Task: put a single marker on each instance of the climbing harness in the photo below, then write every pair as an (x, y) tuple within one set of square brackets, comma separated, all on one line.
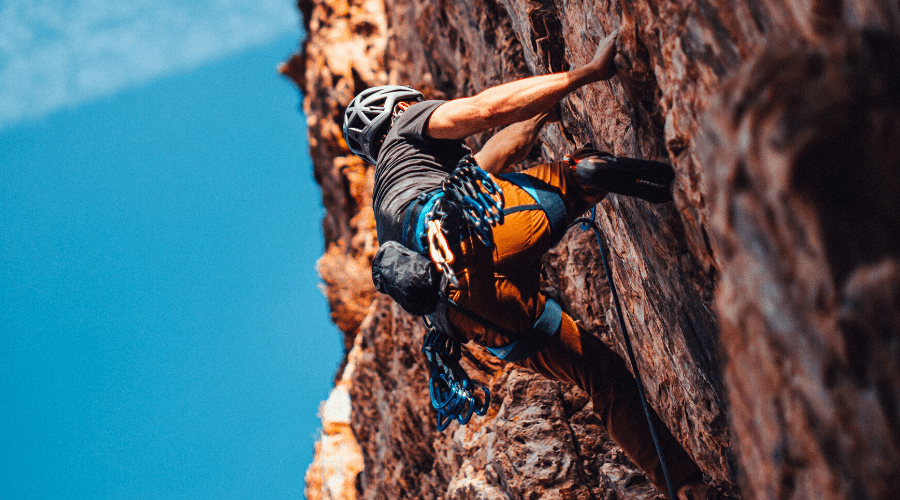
[(427, 206), (453, 394), (592, 224), (546, 326)]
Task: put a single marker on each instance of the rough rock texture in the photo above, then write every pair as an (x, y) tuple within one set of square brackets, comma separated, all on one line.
[(805, 195), (770, 250), (338, 458)]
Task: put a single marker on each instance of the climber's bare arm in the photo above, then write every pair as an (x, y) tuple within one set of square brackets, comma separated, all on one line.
[(520, 100), (512, 144)]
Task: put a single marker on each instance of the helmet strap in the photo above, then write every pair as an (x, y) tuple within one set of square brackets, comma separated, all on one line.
[(399, 108)]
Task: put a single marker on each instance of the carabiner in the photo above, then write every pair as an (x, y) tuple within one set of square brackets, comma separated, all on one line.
[(440, 252)]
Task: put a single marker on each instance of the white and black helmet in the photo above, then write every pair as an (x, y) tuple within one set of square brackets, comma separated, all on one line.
[(369, 114)]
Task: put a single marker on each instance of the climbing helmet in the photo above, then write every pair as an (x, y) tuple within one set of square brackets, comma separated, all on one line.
[(369, 114)]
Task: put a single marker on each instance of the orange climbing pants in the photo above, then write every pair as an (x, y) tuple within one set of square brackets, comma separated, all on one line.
[(502, 285)]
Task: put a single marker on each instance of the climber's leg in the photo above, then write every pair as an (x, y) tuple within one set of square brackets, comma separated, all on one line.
[(502, 285), (587, 362), (571, 357), (585, 180)]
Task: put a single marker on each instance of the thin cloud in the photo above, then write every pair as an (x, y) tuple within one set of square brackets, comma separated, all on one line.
[(60, 53)]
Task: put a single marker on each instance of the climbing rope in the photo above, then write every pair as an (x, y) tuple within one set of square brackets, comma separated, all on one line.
[(592, 224)]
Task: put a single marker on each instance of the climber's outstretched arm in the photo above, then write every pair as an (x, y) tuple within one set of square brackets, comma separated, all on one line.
[(520, 100), (512, 144)]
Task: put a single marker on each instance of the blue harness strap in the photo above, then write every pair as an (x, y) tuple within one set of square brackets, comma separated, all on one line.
[(543, 330), (414, 220), (547, 199)]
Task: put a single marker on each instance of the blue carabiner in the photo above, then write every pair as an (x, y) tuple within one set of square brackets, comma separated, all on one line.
[(469, 409), (453, 394), (440, 398), (481, 409)]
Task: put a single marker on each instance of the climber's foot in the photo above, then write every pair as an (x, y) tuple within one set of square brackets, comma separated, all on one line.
[(645, 179)]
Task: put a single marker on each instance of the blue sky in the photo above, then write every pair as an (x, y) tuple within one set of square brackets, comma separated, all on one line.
[(162, 333)]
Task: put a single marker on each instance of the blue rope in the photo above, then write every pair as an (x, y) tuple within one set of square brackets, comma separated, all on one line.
[(592, 224)]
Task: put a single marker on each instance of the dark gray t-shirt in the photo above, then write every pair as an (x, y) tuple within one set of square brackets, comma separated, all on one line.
[(409, 164)]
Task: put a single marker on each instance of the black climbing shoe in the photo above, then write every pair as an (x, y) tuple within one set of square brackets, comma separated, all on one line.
[(644, 179)]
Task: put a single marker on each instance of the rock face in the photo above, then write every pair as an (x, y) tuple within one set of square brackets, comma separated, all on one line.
[(338, 455), (805, 201), (763, 303)]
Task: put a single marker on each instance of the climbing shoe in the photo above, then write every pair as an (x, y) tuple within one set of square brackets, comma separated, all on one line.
[(644, 179)]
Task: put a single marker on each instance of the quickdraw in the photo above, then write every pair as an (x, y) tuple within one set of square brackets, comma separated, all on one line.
[(479, 199), (452, 391)]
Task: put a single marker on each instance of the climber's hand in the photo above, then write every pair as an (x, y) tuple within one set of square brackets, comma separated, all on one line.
[(602, 64)]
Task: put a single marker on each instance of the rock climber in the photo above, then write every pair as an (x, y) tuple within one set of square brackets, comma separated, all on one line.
[(415, 144)]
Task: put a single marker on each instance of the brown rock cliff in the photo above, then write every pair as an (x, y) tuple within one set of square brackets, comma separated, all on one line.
[(805, 200), (762, 302)]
